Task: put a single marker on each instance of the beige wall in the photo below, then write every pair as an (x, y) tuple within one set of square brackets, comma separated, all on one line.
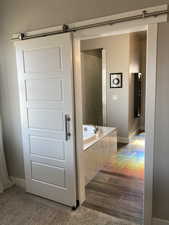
[(92, 86), (123, 53), (117, 60), (134, 67), (143, 83), (23, 15)]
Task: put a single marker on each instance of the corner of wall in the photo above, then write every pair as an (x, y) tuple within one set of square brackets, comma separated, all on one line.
[(157, 221), (19, 182), (124, 140)]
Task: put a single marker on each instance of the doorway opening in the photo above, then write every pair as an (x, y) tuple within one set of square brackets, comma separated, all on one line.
[(114, 159)]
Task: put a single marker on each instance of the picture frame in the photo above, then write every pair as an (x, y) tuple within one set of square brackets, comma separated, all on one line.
[(116, 80)]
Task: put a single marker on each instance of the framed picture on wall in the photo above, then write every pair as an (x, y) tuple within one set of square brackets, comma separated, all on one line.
[(116, 80)]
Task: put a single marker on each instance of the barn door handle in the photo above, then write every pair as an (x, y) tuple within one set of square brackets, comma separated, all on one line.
[(67, 127)]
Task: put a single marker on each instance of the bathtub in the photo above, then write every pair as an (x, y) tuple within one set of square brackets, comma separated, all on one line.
[(98, 147), (90, 133)]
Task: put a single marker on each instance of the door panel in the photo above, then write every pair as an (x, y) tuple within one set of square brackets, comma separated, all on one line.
[(46, 95), (35, 60), (48, 174), (48, 90), (46, 119), (48, 147)]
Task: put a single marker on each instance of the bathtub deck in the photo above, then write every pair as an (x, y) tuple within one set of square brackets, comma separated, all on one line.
[(103, 131)]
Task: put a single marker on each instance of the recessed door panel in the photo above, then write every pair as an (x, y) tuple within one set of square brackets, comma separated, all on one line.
[(47, 147), (48, 174), (45, 119), (42, 60), (48, 90)]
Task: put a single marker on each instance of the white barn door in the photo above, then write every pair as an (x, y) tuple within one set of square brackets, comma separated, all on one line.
[(47, 112)]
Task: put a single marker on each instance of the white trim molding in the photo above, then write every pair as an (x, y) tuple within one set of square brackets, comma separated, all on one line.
[(143, 21), (150, 25), (104, 87), (150, 120), (157, 221), (133, 133), (20, 182), (124, 140)]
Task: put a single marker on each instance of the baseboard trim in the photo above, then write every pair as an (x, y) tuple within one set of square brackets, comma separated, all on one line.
[(133, 133), (124, 140), (20, 182), (157, 221), (142, 128)]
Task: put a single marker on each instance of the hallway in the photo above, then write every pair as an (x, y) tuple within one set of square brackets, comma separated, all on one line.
[(117, 190)]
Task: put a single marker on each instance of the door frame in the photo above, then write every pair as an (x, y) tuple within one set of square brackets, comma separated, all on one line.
[(104, 87), (127, 27)]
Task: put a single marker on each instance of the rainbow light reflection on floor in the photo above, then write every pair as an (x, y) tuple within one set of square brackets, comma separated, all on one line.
[(129, 160)]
